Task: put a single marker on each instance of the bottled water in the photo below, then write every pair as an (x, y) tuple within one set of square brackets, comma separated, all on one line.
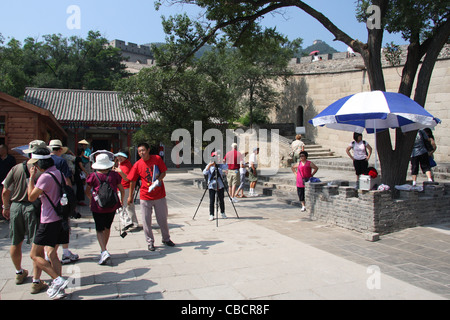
[(64, 201)]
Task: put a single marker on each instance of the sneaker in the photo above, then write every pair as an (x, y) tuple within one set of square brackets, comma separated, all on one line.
[(37, 287), (151, 247), (224, 216), (57, 287), (61, 295), (169, 243), (72, 257), (234, 200), (104, 257), (211, 218), (303, 209), (20, 277)]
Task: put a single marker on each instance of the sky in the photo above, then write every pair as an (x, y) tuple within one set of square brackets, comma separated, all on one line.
[(138, 22)]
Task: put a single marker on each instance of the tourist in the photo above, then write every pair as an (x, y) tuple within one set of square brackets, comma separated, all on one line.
[(103, 214), (297, 146), (304, 170), (52, 230), (7, 161), (233, 159), (361, 155), (23, 217), (431, 150), (419, 156), (127, 214), (215, 185), (253, 174), (57, 150), (152, 170)]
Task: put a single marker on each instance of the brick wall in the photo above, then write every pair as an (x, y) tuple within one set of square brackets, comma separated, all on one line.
[(378, 211)]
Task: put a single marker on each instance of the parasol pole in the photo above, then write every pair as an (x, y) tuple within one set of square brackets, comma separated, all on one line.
[(376, 154)]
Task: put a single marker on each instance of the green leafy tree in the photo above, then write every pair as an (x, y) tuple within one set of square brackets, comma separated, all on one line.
[(59, 62), (12, 76), (213, 89)]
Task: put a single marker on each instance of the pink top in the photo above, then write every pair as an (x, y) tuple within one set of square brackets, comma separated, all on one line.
[(53, 191), (303, 172)]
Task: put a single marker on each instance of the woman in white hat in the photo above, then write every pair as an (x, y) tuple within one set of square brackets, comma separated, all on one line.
[(104, 205)]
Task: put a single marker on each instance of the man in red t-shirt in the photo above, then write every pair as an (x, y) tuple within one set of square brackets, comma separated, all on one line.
[(233, 159), (144, 168)]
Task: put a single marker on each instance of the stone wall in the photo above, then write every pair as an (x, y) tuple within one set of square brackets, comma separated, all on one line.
[(378, 212)]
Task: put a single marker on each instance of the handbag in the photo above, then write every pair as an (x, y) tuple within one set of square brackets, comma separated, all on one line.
[(432, 162)]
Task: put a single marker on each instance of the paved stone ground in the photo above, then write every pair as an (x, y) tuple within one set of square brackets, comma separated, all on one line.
[(272, 252)]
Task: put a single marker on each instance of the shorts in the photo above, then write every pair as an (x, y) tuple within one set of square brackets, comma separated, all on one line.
[(103, 220), (23, 222), (251, 176), (423, 160), (51, 234), (361, 166), (233, 178)]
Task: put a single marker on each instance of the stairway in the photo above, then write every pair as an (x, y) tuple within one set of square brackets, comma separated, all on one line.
[(315, 151)]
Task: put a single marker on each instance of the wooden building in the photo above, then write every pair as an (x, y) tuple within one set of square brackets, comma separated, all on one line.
[(100, 117), (22, 122)]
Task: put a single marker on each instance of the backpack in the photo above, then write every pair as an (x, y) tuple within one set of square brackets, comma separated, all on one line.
[(36, 203), (68, 210), (106, 197)]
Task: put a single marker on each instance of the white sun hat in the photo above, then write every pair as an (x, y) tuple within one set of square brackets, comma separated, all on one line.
[(102, 162)]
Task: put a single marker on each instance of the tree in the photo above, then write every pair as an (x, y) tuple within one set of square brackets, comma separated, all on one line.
[(424, 23), (12, 77), (176, 98), (59, 62), (213, 88), (260, 64)]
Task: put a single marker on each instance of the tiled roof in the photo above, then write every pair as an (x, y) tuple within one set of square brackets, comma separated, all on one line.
[(83, 105)]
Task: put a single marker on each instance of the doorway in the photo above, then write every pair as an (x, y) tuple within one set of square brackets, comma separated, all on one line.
[(101, 144)]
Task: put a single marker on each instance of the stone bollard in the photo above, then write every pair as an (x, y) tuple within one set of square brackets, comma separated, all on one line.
[(433, 189), (348, 192)]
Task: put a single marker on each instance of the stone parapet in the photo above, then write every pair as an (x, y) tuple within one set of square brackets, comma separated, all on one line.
[(378, 212)]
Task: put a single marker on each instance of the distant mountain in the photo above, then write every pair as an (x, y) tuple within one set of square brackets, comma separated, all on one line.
[(321, 46)]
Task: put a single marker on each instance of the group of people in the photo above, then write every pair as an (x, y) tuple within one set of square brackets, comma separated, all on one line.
[(32, 198), (233, 165)]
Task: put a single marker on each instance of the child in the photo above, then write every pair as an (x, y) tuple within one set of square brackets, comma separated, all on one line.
[(103, 217), (304, 171)]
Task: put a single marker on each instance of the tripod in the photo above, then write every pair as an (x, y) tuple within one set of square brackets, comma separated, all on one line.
[(217, 176)]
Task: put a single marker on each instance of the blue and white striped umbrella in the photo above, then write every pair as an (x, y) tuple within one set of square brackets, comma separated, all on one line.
[(375, 111)]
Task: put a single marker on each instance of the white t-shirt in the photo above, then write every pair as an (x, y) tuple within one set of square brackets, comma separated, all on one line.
[(252, 159), (359, 150)]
